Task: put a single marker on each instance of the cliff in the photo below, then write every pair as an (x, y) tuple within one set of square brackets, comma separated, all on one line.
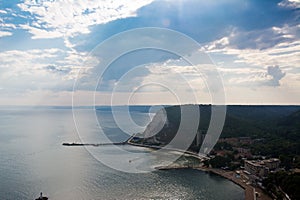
[(241, 121)]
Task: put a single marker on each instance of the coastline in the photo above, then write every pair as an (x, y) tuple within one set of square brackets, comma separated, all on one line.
[(229, 175), (250, 191), (190, 153)]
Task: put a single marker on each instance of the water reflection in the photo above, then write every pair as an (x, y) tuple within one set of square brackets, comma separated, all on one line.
[(32, 160)]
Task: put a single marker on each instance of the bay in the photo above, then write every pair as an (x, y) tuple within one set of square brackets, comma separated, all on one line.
[(32, 159)]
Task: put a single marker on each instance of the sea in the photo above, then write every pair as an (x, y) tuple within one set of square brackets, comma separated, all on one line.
[(33, 159)]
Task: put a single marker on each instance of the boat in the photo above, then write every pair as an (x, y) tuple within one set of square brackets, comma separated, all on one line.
[(41, 197)]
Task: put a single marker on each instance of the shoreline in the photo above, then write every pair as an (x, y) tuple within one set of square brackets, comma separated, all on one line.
[(190, 153), (229, 175), (250, 191)]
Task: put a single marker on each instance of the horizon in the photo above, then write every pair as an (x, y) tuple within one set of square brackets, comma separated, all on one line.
[(142, 105)]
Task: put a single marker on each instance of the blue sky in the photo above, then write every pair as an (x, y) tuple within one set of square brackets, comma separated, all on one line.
[(48, 45)]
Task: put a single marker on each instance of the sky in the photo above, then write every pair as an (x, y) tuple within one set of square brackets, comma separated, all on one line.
[(64, 52)]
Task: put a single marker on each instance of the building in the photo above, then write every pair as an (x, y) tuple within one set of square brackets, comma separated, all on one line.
[(256, 168), (242, 153), (261, 168), (245, 140), (272, 163), (232, 141)]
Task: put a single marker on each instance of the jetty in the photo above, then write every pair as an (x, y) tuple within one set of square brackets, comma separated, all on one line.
[(93, 144)]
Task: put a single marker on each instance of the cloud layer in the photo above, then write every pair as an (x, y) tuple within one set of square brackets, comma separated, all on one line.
[(67, 18), (254, 45)]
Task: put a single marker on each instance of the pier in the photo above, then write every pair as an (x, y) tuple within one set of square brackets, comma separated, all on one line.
[(93, 144)]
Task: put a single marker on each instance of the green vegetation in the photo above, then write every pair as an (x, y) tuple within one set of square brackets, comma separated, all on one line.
[(275, 130), (225, 162), (219, 161), (223, 146), (280, 182)]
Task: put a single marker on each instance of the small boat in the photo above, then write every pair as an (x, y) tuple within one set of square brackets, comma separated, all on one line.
[(41, 197)]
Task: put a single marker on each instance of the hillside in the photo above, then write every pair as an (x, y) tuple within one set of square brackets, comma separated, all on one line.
[(253, 121), (292, 121), (273, 125)]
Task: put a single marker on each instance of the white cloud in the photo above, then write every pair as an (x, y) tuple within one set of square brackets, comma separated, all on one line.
[(73, 17), (172, 76), (221, 43), (41, 33), (7, 26), (51, 69), (251, 80), (290, 3), (263, 95), (180, 79), (190, 83), (257, 39), (5, 33), (255, 78), (283, 54), (247, 66), (31, 62), (66, 19), (284, 51), (240, 71)]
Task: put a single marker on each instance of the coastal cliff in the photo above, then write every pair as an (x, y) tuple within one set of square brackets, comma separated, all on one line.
[(165, 125), (241, 121)]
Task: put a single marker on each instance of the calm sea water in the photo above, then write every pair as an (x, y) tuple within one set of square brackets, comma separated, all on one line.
[(32, 160)]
